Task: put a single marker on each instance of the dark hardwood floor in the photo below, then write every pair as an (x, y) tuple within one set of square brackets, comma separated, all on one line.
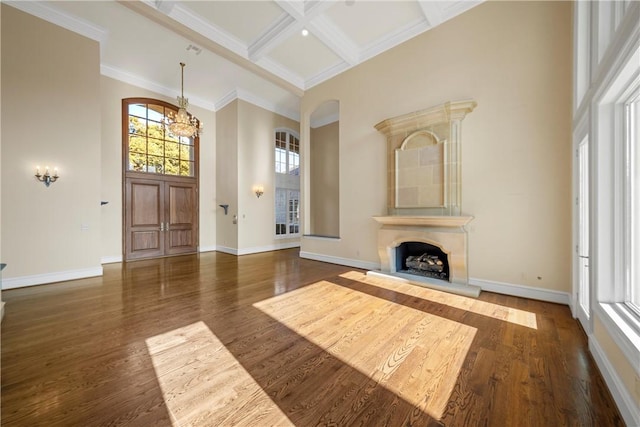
[(270, 339)]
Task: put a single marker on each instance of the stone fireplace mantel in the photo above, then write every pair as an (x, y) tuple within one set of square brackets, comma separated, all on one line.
[(445, 232), (425, 221), (424, 199)]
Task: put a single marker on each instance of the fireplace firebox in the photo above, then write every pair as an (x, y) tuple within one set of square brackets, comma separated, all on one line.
[(422, 259)]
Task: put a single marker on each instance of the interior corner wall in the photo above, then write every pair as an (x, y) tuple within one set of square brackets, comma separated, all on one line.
[(226, 178), (325, 180), (515, 60), (50, 117), (111, 96), (256, 160)]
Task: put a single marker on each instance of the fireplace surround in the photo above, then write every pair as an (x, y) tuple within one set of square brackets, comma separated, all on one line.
[(424, 195)]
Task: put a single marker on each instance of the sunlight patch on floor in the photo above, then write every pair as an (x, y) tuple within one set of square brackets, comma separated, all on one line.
[(499, 312), (203, 384), (416, 355)]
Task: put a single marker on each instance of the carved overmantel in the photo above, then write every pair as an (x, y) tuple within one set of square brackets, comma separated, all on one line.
[(424, 160)]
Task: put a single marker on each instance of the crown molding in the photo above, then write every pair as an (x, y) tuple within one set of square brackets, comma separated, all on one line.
[(132, 79), (282, 72), (326, 74), (394, 39), (243, 95), (184, 16), (79, 26)]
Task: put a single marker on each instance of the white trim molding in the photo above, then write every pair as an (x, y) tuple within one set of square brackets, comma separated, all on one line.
[(59, 276), (257, 249), (548, 295), (628, 409), (111, 259), (356, 263), (202, 249)]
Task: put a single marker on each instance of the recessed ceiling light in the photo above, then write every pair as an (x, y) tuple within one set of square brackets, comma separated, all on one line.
[(305, 32)]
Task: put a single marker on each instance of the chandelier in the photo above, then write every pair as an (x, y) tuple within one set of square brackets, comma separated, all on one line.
[(181, 124)]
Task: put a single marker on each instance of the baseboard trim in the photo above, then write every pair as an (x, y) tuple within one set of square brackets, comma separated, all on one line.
[(226, 250), (207, 249), (628, 408), (356, 263), (268, 248), (257, 249), (41, 279), (522, 291), (110, 259)]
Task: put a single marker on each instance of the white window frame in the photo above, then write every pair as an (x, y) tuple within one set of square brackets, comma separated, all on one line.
[(611, 228)]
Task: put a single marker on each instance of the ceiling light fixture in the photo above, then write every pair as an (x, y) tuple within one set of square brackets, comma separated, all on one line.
[(182, 124), (305, 32)]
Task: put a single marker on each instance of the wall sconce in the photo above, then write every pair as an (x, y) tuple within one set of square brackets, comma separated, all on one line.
[(259, 190), (47, 178)]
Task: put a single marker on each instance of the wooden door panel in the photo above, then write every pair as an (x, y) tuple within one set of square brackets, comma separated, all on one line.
[(182, 209), (145, 240), (143, 218), (145, 204)]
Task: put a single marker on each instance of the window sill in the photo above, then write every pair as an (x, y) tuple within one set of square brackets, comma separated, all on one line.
[(624, 328), (320, 237)]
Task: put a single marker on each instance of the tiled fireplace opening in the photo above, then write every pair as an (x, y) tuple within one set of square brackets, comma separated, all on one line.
[(422, 259)]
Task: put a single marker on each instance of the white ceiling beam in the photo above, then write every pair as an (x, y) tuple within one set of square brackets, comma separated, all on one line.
[(207, 43), (336, 40), (432, 12), (281, 29)]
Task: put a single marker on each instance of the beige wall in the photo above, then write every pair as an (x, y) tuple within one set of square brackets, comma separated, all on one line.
[(227, 175), (111, 94), (245, 159), (256, 160), (514, 59), (616, 358), (50, 116), (325, 180)]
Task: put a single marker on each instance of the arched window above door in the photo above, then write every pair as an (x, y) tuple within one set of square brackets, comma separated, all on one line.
[(151, 147)]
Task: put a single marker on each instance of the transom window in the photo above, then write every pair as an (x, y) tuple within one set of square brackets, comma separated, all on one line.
[(152, 147)]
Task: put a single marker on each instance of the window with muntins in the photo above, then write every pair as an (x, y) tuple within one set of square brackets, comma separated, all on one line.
[(632, 152), (287, 178), (152, 148)]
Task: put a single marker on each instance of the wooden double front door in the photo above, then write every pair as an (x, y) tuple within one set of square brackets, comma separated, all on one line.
[(161, 217)]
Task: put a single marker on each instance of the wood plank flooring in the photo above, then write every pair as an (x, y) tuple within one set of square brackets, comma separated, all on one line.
[(274, 340)]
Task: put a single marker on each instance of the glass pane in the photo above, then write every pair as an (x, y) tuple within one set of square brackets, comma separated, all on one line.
[(294, 164), (137, 162), (139, 110), (156, 130), (137, 144), (634, 193), (172, 166), (156, 112), (186, 168), (137, 126), (186, 141), (155, 147), (186, 152), (171, 150), (169, 136), (155, 164)]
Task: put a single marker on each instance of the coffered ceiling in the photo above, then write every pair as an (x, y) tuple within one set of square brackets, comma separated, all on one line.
[(252, 50)]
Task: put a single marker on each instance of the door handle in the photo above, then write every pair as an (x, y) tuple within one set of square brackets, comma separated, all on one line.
[(162, 226), (167, 227)]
